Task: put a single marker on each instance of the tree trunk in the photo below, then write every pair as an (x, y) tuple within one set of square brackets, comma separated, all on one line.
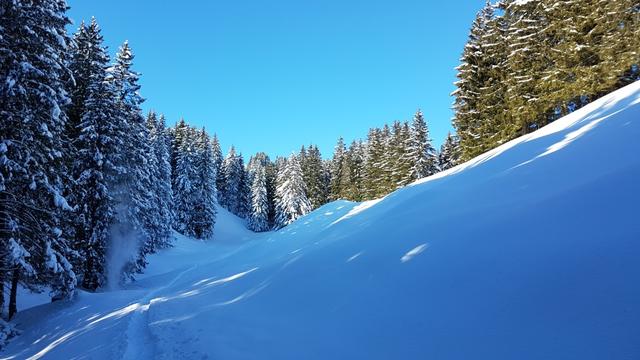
[(1, 296), (13, 308)]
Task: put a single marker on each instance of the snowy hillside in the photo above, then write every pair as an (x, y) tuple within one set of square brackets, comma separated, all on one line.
[(530, 251)]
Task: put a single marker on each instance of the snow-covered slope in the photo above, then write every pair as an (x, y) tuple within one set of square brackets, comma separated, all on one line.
[(531, 251)]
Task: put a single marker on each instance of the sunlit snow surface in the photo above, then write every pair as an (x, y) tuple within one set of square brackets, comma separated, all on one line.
[(531, 251)]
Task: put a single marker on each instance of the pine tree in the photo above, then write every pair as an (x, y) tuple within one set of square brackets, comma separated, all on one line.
[(313, 174), (291, 198), (203, 214), (234, 186), (472, 75), (81, 65), (374, 165), (348, 190), (336, 170), (389, 160), (449, 152), (357, 153), (422, 156), (271, 175), (99, 159), (527, 62), (161, 180), (259, 214), (33, 45), (217, 162), (136, 218), (184, 189), (244, 197), (177, 134), (399, 170)]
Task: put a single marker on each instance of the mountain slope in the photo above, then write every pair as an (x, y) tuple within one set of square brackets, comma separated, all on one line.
[(527, 252)]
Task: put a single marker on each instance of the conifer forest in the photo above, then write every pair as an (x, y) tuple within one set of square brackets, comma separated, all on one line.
[(93, 186)]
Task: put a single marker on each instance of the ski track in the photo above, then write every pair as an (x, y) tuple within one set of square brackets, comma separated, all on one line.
[(138, 338)]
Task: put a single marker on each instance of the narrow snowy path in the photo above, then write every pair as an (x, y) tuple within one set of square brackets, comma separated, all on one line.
[(140, 343)]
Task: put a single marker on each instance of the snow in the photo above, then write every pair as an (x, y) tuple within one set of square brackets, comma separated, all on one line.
[(522, 2), (529, 251)]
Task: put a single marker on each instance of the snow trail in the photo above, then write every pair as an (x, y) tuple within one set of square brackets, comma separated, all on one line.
[(137, 336)]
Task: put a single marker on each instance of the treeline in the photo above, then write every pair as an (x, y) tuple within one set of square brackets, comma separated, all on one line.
[(530, 62), (272, 194)]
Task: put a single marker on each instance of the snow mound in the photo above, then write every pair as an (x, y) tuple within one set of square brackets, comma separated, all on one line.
[(527, 252)]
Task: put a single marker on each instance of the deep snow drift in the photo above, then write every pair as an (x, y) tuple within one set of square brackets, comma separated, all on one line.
[(531, 251)]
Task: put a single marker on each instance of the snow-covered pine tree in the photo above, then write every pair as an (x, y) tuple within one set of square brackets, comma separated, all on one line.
[(177, 135), (421, 154), (258, 219), (203, 214), (399, 164), (136, 216), (244, 197), (313, 173), (98, 161), (260, 159), (291, 198), (374, 165), (497, 124), (161, 179), (449, 152), (271, 175), (388, 163), (348, 190), (472, 74), (232, 189), (336, 170), (357, 153), (184, 190), (33, 45), (527, 63), (217, 162)]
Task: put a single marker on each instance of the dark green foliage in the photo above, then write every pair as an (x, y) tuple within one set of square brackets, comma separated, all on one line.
[(528, 63)]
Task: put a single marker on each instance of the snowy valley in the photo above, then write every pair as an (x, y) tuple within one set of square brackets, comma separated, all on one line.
[(529, 251)]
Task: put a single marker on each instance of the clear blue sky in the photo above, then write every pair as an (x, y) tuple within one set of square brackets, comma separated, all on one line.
[(271, 75)]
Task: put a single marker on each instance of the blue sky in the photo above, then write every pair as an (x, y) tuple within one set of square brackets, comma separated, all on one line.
[(273, 75)]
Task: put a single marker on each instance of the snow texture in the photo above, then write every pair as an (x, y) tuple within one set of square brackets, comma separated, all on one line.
[(529, 251)]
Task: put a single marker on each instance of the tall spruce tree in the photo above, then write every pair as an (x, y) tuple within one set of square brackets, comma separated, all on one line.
[(244, 197), (314, 178), (449, 152), (233, 184), (527, 62), (374, 165), (291, 198), (98, 161), (184, 189), (217, 162), (203, 214), (33, 46), (472, 75), (337, 177), (400, 164), (422, 156), (136, 217), (271, 176), (258, 219), (161, 180)]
